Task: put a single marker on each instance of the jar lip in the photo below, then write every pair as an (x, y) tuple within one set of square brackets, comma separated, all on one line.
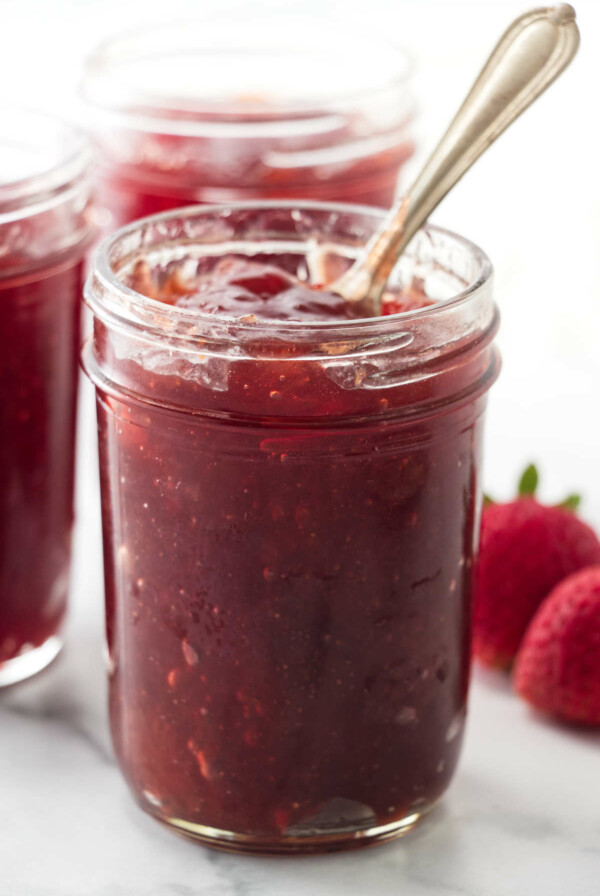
[(48, 156), (135, 309), (109, 86)]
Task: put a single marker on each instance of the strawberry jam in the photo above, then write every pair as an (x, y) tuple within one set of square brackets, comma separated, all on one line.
[(147, 184), (290, 501), (44, 230), (174, 128)]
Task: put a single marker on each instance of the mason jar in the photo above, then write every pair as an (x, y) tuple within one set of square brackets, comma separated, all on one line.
[(244, 108), (290, 518), (45, 229)]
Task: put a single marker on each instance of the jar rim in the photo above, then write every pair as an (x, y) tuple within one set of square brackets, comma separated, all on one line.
[(108, 87), (109, 297), (49, 158)]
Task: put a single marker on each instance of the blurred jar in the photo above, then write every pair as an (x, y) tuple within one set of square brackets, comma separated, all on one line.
[(248, 109), (45, 228)]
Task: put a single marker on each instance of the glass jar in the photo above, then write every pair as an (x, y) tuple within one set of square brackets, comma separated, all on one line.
[(44, 231), (247, 108), (290, 517)]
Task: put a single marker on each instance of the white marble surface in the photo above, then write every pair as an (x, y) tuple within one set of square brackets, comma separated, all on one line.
[(523, 815)]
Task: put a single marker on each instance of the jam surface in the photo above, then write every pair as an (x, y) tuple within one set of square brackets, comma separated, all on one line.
[(249, 290), (39, 344), (288, 577)]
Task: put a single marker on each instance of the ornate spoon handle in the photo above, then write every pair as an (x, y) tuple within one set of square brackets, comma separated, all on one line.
[(528, 58)]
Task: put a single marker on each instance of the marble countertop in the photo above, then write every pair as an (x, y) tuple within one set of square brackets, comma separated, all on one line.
[(522, 817)]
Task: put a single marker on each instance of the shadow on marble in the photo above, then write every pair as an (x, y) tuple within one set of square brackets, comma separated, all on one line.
[(71, 692), (567, 730), (500, 683), (493, 679)]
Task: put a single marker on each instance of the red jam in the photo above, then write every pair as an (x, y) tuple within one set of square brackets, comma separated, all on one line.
[(39, 343), (246, 290), (288, 558), (44, 232), (152, 180)]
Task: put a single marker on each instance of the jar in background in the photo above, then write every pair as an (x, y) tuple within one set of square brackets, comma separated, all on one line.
[(251, 107), (44, 232), (290, 517)]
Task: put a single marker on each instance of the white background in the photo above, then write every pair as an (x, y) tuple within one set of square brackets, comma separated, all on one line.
[(533, 203)]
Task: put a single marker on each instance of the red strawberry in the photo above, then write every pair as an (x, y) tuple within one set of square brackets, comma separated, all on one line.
[(526, 549), (558, 666)]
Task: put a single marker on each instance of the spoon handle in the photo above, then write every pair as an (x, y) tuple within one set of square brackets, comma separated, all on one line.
[(528, 58)]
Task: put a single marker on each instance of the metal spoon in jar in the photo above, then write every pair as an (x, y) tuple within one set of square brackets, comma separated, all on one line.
[(534, 50)]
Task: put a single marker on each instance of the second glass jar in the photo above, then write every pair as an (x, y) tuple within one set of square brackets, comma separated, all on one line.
[(174, 126), (45, 230)]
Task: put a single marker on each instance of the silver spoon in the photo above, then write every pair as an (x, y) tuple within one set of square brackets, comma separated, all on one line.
[(534, 50)]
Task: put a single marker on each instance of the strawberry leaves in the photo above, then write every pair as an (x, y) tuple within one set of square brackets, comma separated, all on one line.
[(527, 488), (528, 482)]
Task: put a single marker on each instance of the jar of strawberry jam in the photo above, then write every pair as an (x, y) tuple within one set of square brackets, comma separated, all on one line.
[(45, 228), (244, 108), (290, 500)]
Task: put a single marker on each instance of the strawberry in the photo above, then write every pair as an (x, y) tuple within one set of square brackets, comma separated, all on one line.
[(558, 665), (526, 549)]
